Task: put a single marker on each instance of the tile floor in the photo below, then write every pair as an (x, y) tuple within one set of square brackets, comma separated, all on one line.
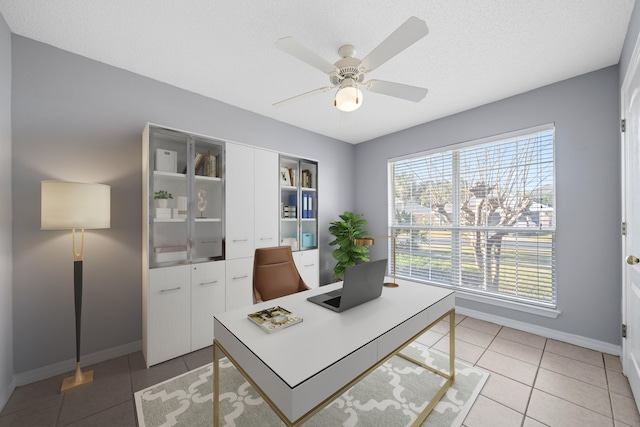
[(534, 382)]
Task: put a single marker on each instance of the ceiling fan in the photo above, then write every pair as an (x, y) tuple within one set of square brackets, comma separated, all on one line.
[(349, 72)]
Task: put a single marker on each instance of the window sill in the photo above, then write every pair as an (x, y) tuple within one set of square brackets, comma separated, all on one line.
[(512, 305)]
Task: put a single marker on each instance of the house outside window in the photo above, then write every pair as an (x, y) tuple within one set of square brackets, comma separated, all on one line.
[(479, 216)]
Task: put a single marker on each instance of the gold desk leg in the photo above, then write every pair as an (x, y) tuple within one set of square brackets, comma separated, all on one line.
[(452, 370), (216, 384), (452, 345)]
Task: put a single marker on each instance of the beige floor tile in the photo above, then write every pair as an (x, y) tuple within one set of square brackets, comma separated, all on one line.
[(556, 412), (509, 367), (530, 422), (441, 327), (464, 351), (612, 363), (625, 410), (429, 338), (617, 423), (515, 349), (522, 337), (481, 325), (574, 369), (581, 354), (508, 392), (485, 412), (575, 391), (473, 336), (619, 384)]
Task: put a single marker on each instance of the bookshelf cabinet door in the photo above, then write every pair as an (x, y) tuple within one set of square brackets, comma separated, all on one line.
[(169, 313), (207, 300), (266, 199), (239, 283), (239, 201)]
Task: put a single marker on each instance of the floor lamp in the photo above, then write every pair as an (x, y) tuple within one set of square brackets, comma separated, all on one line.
[(370, 241), (74, 205)]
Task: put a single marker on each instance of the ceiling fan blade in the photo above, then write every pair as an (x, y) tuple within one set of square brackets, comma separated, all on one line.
[(302, 96), (404, 36), (292, 47), (398, 90)]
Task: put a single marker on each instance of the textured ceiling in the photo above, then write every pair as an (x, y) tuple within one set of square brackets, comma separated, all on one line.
[(476, 52)]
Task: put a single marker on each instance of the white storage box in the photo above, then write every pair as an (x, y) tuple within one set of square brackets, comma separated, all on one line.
[(166, 160)]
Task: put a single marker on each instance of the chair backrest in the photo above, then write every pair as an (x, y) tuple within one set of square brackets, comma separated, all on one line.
[(275, 274)]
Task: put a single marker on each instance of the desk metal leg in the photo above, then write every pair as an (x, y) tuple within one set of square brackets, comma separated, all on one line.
[(216, 384)]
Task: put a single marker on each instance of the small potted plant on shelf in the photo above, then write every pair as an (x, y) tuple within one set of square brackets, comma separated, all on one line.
[(345, 232), (162, 198)]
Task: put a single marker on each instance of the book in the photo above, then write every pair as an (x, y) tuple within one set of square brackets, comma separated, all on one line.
[(274, 318)]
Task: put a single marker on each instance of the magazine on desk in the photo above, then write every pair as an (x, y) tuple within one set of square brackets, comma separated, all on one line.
[(274, 318)]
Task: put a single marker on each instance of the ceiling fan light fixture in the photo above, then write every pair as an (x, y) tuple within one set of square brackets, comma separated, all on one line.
[(348, 98)]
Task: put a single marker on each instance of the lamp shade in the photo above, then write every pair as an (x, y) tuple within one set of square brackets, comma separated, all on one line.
[(67, 205), (348, 98)]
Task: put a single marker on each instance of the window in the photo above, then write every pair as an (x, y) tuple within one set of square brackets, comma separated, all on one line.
[(479, 216)]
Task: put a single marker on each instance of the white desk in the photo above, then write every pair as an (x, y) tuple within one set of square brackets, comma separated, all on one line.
[(300, 369)]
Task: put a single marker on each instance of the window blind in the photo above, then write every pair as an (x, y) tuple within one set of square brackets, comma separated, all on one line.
[(479, 216)]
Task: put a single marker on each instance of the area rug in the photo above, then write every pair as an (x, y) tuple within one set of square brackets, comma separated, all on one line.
[(392, 395)]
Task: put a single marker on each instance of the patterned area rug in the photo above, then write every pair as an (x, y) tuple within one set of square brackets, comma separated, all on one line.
[(392, 395)]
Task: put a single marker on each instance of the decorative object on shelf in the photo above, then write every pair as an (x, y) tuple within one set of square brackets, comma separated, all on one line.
[(181, 210), (370, 241), (285, 177), (166, 160), (202, 202), (307, 181), (74, 205), (211, 165), (346, 232), (197, 164), (162, 197)]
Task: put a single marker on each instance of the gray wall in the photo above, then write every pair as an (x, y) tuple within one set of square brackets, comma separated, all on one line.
[(629, 42), (6, 298), (78, 119), (585, 112)]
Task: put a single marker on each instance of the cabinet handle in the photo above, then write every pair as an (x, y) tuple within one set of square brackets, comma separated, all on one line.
[(309, 265), (208, 283), (266, 238), (240, 277), (169, 290), (240, 240)]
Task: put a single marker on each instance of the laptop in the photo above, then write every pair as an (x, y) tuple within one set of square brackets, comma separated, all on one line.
[(362, 283)]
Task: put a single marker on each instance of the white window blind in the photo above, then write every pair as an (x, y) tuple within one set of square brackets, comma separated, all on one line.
[(479, 217)]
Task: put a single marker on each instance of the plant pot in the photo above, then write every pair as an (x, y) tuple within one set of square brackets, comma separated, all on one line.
[(162, 203)]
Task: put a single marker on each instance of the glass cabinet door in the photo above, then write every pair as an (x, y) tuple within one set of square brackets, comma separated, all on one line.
[(168, 188), (207, 201), (298, 203), (186, 198)]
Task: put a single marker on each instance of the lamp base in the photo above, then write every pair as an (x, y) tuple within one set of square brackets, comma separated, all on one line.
[(390, 285), (78, 380)]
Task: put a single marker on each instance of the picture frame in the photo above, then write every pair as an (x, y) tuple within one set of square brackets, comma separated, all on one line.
[(285, 177)]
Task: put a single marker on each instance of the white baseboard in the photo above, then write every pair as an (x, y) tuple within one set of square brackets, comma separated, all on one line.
[(69, 365), (5, 393), (578, 340)]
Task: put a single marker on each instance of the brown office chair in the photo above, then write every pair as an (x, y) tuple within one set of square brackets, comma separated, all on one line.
[(275, 274)]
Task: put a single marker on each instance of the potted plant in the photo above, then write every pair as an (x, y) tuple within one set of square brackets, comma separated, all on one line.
[(162, 197), (345, 231)]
